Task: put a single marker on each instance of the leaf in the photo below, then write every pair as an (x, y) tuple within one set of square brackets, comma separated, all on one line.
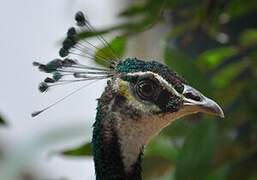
[(2, 121), (214, 57), (116, 48), (84, 150), (195, 158), (248, 37), (239, 8), (185, 66), (225, 76)]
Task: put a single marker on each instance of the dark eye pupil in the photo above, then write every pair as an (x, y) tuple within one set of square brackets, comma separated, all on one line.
[(192, 96), (145, 90)]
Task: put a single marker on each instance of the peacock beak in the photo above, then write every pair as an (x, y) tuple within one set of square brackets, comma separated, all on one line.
[(197, 102), (210, 107)]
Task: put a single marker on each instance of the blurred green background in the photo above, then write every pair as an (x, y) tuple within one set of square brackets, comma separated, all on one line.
[(213, 44)]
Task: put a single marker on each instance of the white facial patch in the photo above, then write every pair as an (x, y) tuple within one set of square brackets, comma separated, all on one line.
[(159, 78), (125, 90), (135, 134)]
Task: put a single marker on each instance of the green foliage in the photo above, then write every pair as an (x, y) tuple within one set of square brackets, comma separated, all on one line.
[(226, 75), (248, 37), (214, 57), (2, 121), (162, 147), (115, 48), (197, 152), (213, 45), (84, 150), (184, 65)]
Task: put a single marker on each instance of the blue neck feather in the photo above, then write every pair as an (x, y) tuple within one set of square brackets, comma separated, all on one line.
[(106, 146)]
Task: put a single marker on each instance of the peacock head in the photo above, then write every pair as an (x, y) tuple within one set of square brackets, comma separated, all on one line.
[(152, 89)]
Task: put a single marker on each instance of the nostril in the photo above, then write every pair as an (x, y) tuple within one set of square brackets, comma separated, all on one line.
[(192, 96)]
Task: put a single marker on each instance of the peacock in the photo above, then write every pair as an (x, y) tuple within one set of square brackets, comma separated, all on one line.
[(140, 99)]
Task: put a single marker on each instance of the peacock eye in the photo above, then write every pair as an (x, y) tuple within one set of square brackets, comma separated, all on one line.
[(146, 89)]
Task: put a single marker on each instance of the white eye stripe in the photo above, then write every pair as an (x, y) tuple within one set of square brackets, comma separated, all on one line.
[(189, 89), (160, 79)]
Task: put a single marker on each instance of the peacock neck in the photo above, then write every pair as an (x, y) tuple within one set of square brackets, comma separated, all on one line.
[(110, 163)]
